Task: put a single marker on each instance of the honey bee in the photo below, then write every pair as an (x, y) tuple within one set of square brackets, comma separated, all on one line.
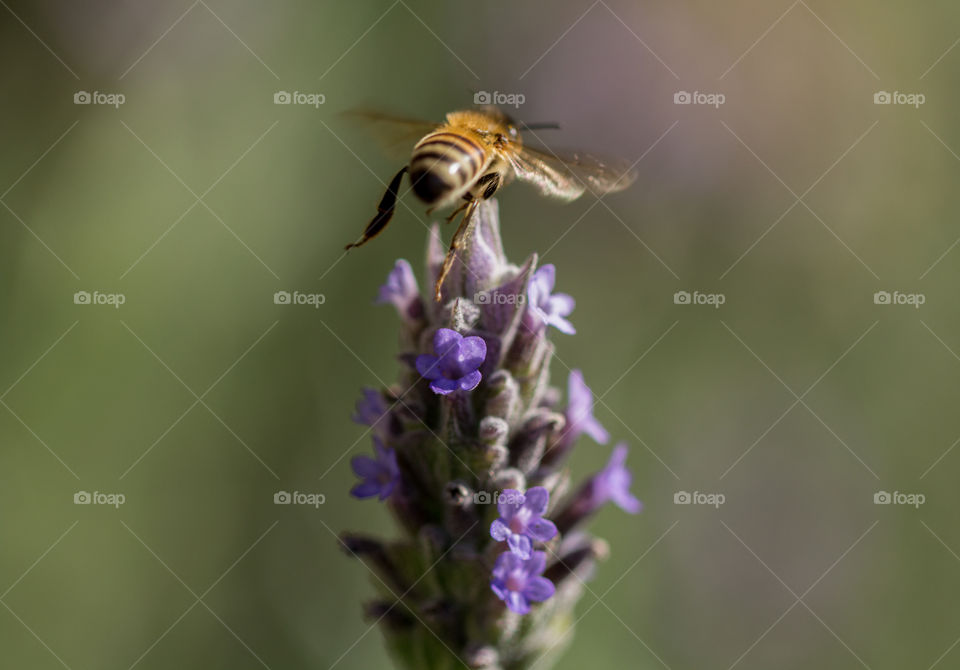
[(473, 154)]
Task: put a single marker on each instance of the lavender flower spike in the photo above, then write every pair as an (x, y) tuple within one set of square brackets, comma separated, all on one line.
[(455, 365), (380, 476), (521, 521), (551, 308), (580, 410), (517, 581), (475, 412)]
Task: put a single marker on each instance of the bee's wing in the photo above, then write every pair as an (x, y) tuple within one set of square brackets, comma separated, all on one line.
[(567, 176), (395, 133)]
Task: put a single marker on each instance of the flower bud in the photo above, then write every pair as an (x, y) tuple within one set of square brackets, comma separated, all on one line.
[(493, 430), (481, 657), (527, 446), (509, 478), (503, 398)]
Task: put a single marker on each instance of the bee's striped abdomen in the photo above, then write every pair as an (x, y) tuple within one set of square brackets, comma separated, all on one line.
[(445, 163)]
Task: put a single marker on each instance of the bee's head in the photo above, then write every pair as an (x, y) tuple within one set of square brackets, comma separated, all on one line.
[(502, 123), (513, 128)]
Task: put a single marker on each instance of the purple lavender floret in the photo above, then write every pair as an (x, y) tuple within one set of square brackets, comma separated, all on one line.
[(521, 520), (401, 290), (473, 412), (455, 365), (380, 475), (517, 581), (613, 483), (579, 412), (551, 308), (370, 408)]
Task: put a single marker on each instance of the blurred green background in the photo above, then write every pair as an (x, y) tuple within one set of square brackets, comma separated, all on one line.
[(198, 398)]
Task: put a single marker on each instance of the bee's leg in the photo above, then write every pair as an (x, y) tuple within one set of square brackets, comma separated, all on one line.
[(466, 196), (384, 211), (458, 210), (456, 244)]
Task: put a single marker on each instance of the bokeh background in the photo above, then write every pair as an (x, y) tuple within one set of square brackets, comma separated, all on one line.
[(198, 398)]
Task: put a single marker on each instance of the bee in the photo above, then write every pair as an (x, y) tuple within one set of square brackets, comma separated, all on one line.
[(470, 157)]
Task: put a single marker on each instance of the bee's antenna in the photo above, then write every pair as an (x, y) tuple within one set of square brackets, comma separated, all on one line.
[(548, 125)]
